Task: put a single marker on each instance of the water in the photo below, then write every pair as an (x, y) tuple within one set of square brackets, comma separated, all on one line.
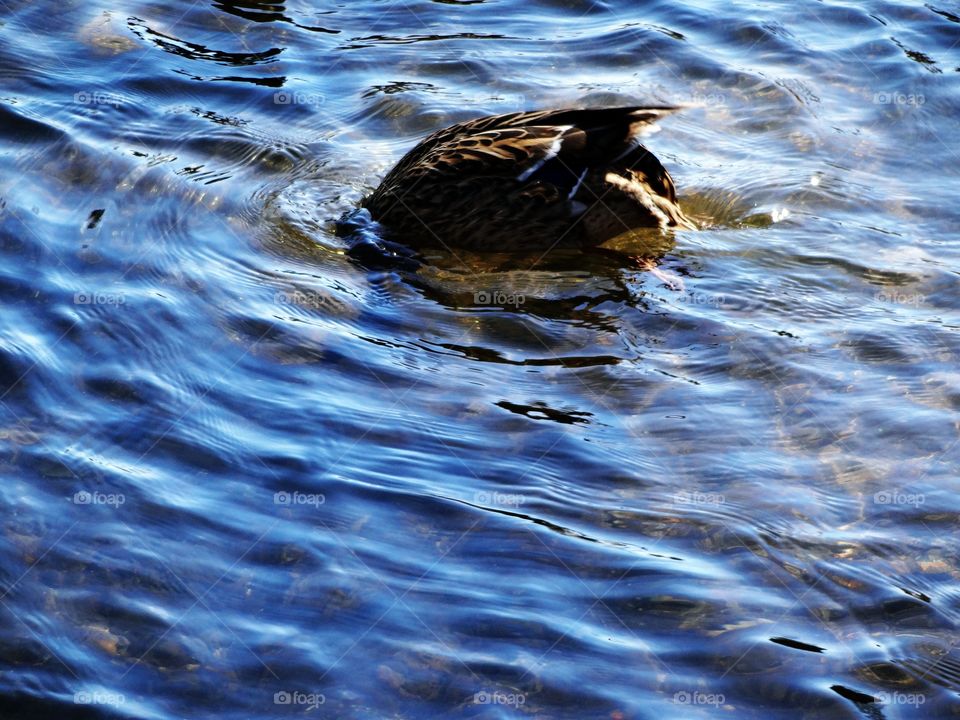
[(243, 477)]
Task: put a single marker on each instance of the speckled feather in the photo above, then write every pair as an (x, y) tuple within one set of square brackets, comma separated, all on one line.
[(529, 180)]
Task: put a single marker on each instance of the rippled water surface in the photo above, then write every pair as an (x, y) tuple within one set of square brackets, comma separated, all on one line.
[(245, 477)]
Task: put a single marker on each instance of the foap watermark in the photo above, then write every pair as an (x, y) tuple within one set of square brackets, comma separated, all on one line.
[(901, 698), (899, 98), (511, 100), (712, 99), (498, 697), (695, 697), (702, 299), (698, 498), (498, 498), (303, 298), (900, 298), (295, 697), (289, 499), (285, 97), (898, 497), (86, 297), (85, 497), (98, 697), (498, 298), (95, 97)]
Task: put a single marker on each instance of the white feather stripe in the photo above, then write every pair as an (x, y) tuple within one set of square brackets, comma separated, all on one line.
[(579, 183), (550, 155), (642, 195)]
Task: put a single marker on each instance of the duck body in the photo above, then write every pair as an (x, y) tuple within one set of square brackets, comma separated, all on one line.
[(529, 180)]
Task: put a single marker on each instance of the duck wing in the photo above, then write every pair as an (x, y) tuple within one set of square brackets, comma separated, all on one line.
[(528, 176), (548, 146)]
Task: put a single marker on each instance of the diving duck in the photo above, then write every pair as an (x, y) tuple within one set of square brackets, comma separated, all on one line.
[(529, 180)]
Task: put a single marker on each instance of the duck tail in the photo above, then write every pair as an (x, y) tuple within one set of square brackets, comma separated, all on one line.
[(605, 135), (643, 121)]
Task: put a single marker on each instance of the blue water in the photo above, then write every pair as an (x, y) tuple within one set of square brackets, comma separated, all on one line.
[(243, 477)]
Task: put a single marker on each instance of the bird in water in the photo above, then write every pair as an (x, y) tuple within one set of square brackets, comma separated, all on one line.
[(525, 181)]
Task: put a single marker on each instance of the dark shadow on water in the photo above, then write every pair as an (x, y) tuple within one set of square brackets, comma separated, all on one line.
[(195, 51), (269, 11)]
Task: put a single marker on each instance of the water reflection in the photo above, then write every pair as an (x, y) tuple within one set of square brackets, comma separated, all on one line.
[(268, 12), (241, 468), (194, 51)]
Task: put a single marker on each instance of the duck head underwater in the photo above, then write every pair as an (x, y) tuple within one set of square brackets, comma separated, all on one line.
[(520, 181)]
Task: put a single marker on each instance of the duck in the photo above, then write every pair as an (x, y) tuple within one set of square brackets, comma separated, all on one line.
[(529, 180)]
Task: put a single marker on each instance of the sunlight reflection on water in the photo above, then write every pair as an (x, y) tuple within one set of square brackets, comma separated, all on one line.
[(247, 478)]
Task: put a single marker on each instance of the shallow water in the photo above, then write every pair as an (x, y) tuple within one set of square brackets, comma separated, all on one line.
[(246, 478)]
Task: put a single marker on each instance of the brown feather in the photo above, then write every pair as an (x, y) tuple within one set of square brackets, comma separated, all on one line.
[(525, 180)]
